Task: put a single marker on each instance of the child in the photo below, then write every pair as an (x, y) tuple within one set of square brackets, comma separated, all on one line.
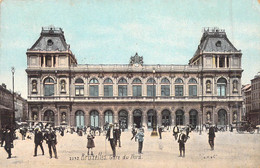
[(91, 143)]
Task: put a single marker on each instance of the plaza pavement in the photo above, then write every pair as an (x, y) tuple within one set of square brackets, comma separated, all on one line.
[(231, 150)]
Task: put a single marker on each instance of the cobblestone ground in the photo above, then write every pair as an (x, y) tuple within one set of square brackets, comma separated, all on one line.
[(231, 150)]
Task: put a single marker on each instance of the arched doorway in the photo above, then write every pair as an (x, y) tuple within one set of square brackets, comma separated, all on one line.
[(49, 117), (137, 117), (80, 119), (193, 117), (222, 117), (179, 117), (150, 118), (123, 119), (108, 116), (166, 118), (94, 119)]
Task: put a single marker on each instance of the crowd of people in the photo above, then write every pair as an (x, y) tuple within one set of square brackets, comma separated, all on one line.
[(113, 134)]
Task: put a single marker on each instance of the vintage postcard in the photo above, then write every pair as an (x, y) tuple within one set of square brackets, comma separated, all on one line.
[(133, 83)]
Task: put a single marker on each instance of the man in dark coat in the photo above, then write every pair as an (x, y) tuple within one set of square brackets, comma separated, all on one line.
[(134, 132), (211, 137), (38, 139), (2, 136), (182, 140), (8, 142), (118, 135), (51, 140), (160, 132), (175, 132), (111, 136)]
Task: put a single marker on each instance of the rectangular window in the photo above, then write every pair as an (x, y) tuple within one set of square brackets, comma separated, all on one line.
[(93, 90), (79, 90), (48, 90), (178, 90), (122, 90), (151, 90), (165, 90), (108, 90), (192, 90), (221, 89), (137, 91)]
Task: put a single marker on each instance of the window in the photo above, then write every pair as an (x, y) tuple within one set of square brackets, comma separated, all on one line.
[(93, 88), (109, 116), (137, 87), (151, 88), (122, 87), (79, 87), (218, 43), (48, 61), (193, 117), (179, 117), (178, 90), (221, 87), (108, 87), (179, 80), (165, 89), (94, 118), (48, 87), (192, 88)]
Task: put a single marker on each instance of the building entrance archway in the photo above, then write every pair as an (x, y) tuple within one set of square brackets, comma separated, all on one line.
[(137, 117), (123, 119), (222, 117)]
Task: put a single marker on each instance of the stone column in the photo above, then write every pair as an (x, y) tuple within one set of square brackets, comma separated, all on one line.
[(51, 60), (116, 117), (87, 119), (225, 61), (101, 120), (44, 60), (173, 117), (130, 120), (57, 60), (218, 61), (58, 115)]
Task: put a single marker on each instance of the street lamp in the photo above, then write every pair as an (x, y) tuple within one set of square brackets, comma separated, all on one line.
[(13, 70), (154, 132)]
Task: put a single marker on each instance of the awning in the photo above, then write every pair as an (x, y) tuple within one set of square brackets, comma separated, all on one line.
[(5, 108)]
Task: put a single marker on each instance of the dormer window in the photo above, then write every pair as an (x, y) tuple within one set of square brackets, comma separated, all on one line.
[(49, 42), (218, 43)]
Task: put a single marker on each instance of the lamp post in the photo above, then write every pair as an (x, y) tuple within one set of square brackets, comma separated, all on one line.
[(13, 70), (154, 132)]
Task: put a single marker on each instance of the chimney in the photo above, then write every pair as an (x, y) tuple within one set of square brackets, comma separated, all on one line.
[(4, 85)]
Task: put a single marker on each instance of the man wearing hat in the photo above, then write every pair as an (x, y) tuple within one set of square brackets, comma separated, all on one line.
[(111, 136), (8, 142), (51, 140), (140, 137), (38, 139), (181, 140)]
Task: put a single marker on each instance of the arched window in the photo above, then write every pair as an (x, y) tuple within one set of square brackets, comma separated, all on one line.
[(48, 87), (151, 87), (193, 117), (79, 87), (137, 118), (165, 87), (221, 86), (94, 118), (122, 87), (192, 87), (93, 87), (179, 87), (49, 116), (166, 118), (108, 87), (208, 86), (34, 86), (137, 87), (123, 119), (179, 117), (108, 116), (235, 86), (62, 86), (80, 119)]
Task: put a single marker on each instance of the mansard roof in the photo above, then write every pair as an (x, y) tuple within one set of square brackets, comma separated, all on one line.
[(215, 40), (51, 39)]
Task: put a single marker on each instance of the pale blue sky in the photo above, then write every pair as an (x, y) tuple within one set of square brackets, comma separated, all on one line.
[(100, 32)]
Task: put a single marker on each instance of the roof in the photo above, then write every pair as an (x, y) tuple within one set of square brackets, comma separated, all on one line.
[(51, 39)]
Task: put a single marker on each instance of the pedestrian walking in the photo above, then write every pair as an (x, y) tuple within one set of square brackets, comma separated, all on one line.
[(211, 137), (111, 136), (38, 139), (134, 132), (140, 138), (51, 140), (118, 135), (90, 143), (182, 140), (160, 132), (187, 131), (175, 132), (2, 136), (8, 142)]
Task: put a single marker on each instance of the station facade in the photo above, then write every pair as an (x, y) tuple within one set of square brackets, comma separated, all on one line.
[(63, 92)]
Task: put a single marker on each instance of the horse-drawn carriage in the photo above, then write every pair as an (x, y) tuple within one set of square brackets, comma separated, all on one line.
[(243, 126)]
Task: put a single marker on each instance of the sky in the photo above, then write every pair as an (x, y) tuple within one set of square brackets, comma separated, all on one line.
[(110, 32)]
